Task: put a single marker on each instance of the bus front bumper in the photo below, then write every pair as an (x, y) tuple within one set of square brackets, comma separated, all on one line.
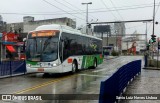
[(56, 69)]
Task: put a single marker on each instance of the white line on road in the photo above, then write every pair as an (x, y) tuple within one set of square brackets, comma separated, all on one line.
[(99, 70), (93, 75)]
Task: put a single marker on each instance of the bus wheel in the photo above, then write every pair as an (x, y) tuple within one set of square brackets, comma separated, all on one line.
[(74, 67), (46, 75), (95, 63)]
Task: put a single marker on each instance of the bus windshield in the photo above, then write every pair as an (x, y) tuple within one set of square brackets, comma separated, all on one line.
[(42, 46)]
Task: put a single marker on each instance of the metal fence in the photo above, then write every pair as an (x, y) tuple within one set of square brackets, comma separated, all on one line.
[(11, 68), (115, 85)]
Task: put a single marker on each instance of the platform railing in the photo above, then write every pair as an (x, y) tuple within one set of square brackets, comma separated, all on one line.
[(11, 68), (115, 85)]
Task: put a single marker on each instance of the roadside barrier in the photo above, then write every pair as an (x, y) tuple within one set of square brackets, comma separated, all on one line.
[(11, 68), (116, 84)]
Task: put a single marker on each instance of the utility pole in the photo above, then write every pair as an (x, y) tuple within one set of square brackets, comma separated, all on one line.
[(87, 15), (0, 47), (116, 39), (146, 32), (153, 18), (153, 27)]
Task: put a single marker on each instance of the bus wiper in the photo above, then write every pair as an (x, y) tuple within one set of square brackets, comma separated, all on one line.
[(46, 43), (36, 43)]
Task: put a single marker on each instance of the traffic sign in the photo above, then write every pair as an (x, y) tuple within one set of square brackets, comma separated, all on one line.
[(158, 44), (153, 38), (158, 39)]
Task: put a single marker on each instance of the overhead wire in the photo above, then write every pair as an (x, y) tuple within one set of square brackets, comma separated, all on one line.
[(117, 10), (135, 26), (67, 6), (76, 7), (157, 8), (62, 9), (155, 15), (142, 5), (70, 12), (108, 9)]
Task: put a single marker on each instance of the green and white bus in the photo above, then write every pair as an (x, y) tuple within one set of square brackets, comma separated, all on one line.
[(58, 49)]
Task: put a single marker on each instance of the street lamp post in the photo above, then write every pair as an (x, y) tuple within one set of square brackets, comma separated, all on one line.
[(153, 27), (146, 32), (87, 15), (1, 47), (153, 17), (116, 38)]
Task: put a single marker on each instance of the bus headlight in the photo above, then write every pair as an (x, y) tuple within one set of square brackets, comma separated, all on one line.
[(53, 65), (28, 65)]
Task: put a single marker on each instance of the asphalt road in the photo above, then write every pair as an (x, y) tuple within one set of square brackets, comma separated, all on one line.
[(83, 82)]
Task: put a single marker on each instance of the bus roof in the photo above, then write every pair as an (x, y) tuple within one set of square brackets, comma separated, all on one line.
[(63, 28)]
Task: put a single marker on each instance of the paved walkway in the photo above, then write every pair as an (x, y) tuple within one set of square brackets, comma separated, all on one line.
[(110, 57), (148, 83)]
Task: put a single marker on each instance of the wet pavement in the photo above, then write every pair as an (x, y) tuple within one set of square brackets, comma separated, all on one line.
[(148, 83), (83, 82)]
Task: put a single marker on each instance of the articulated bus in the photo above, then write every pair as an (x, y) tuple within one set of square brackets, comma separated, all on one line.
[(58, 49)]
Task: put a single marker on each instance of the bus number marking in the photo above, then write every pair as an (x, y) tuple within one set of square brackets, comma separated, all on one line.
[(41, 69)]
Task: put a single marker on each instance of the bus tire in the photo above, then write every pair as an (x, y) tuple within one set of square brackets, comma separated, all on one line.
[(95, 63), (46, 75), (74, 67)]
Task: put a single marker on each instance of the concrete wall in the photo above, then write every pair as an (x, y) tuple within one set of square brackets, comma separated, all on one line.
[(153, 63), (120, 29), (140, 45), (28, 18), (111, 40), (12, 27), (3, 26), (29, 26)]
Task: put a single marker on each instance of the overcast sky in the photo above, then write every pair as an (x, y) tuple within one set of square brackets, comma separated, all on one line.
[(103, 10)]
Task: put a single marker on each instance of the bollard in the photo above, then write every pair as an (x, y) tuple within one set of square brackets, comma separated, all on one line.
[(24, 67), (10, 67), (145, 59)]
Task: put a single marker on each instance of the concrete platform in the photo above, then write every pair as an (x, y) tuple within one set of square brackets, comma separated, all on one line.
[(148, 83), (110, 57), (151, 68)]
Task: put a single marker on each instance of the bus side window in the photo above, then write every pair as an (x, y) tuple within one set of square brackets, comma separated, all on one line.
[(66, 46), (60, 49)]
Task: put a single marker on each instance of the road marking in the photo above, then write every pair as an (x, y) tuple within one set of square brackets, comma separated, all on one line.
[(92, 75), (100, 70), (43, 84)]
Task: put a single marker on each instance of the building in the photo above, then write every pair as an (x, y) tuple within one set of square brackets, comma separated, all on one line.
[(119, 29), (109, 38), (15, 27), (30, 24), (136, 40), (2, 24), (113, 36)]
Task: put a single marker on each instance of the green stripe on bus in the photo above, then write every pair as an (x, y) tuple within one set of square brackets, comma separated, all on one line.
[(83, 61), (31, 62), (89, 60)]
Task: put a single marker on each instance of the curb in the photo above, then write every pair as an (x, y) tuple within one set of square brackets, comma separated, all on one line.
[(111, 58), (151, 68), (10, 76)]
